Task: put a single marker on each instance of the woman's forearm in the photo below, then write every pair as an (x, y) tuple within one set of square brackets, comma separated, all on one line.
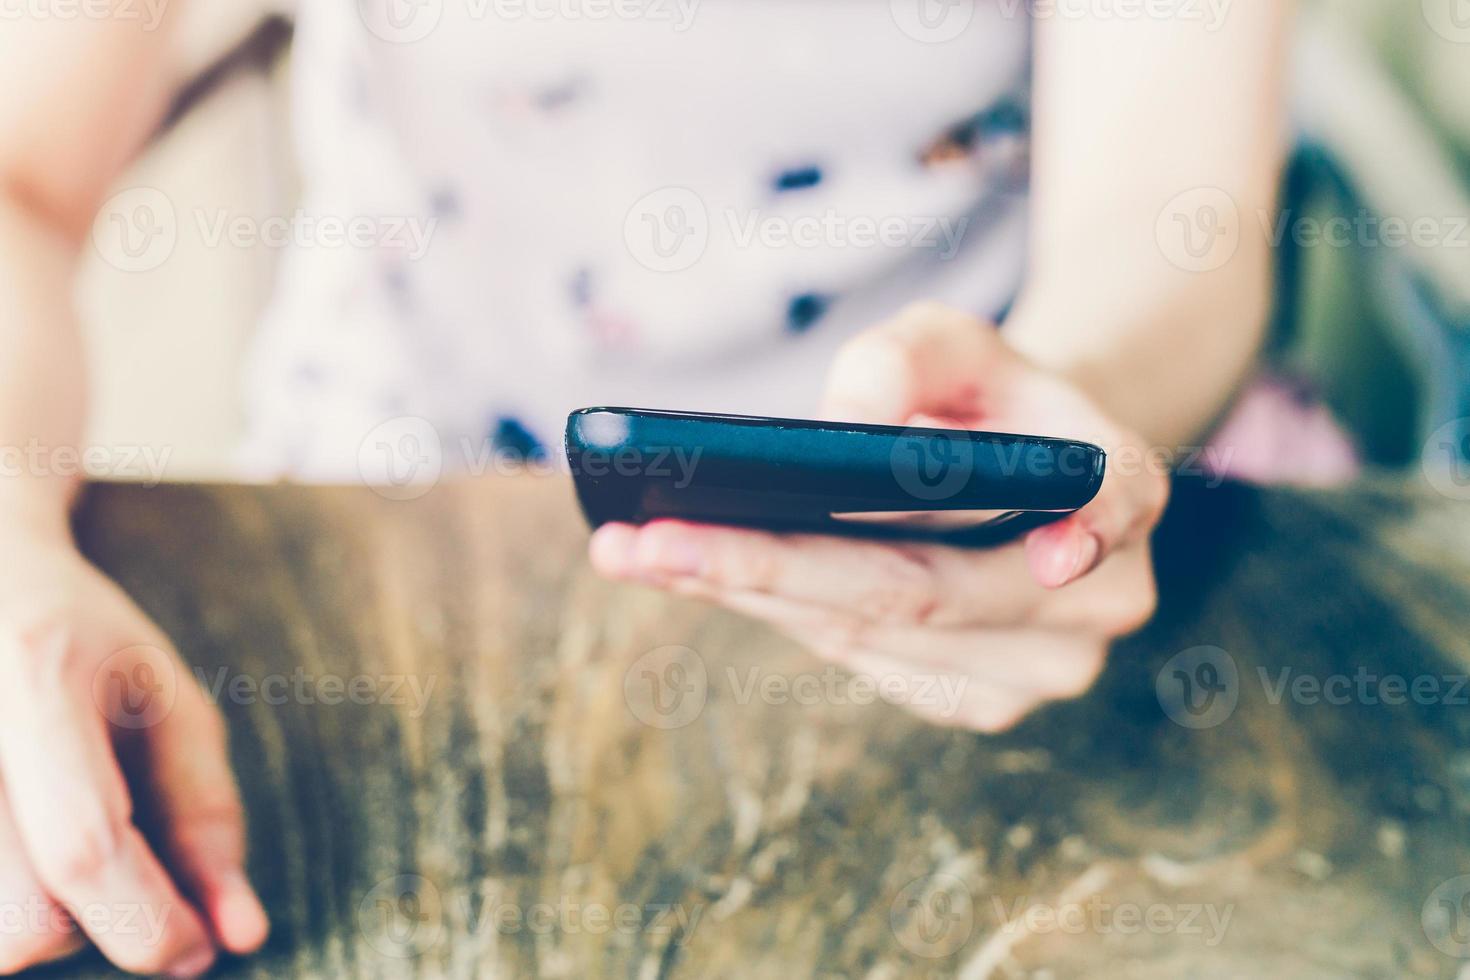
[(42, 376), (78, 97), (1163, 356), (1157, 150)]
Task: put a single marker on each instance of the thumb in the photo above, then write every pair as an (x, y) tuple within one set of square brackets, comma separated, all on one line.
[(203, 824), (928, 360)]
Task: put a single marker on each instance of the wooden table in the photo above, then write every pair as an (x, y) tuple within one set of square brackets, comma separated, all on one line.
[(464, 755)]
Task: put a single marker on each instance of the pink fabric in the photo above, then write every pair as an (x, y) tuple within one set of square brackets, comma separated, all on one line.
[(1279, 433)]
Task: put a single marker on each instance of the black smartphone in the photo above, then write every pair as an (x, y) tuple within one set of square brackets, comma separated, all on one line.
[(637, 465)]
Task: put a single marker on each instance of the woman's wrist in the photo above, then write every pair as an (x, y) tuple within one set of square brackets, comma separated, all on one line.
[(1165, 370), (36, 508)]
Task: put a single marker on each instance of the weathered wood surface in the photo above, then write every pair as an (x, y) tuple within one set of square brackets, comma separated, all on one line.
[(491, 798)]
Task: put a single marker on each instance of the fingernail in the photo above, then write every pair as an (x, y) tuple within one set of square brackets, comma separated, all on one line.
[(195, 964), (1087, 551), (612, 549), (243, 922)]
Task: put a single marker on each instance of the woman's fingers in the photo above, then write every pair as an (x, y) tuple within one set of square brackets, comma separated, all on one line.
[(74, 813), (870, 581), (33, 928), (1124, 513), (928, 360), (977, 678), (881, 584), (934, 366), (201, 820)]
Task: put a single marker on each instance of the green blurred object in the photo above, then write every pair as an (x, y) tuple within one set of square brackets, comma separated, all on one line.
[(1381, 96)]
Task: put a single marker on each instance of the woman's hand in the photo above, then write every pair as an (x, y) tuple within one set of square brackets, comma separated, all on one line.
[(1019, 625), (102, 730)]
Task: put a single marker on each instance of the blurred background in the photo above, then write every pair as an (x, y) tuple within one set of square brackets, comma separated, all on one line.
[(1381, 98)]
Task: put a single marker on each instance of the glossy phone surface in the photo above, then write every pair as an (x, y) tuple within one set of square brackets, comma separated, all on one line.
[(638, 465)]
